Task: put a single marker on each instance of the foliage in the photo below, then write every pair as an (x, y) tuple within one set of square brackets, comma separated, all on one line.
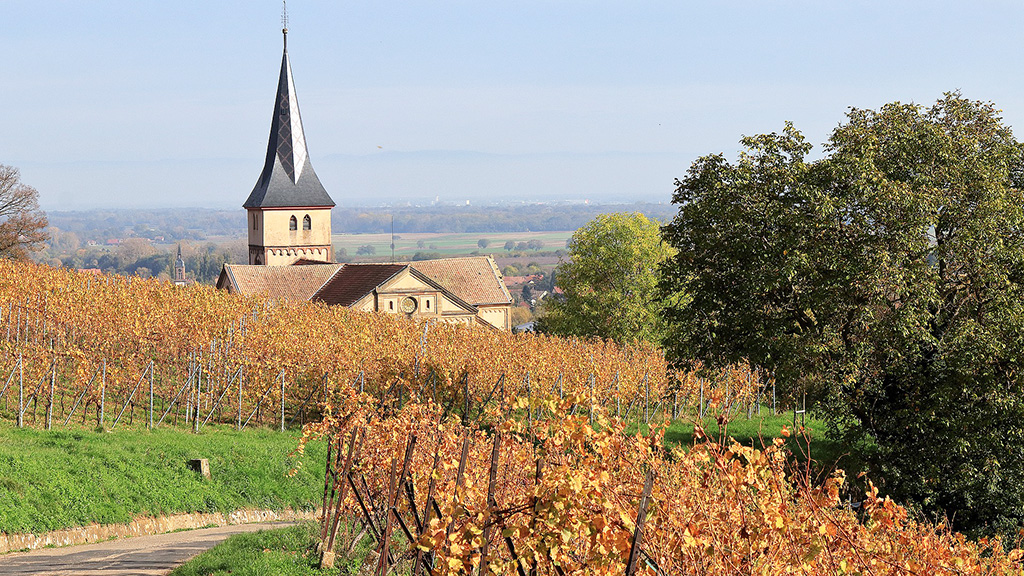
[(366, 250), (889, 277), (58, 479), (521, 315), (483, 243), (422, 255), (610, 282), (22, 223), (717, 508), (90, 323)]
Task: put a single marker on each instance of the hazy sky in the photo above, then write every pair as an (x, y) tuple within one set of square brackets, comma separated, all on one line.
[(147, 103)]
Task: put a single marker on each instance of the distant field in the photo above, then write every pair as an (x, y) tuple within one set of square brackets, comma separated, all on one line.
[(459, 244)]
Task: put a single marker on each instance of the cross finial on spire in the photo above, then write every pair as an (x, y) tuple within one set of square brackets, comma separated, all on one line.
[(284, 17)]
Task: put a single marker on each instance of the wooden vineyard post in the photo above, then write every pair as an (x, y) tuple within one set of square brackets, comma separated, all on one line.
[(535, 506), (331, 528), (647, 400), (700, 402), (529, 403), (618, 402), (385, 537), (591, 379), (329, 488), (641, 515), (459, 480), (492, 505), (420, 559)]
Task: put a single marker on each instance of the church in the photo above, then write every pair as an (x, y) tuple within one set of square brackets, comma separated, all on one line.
[(288, 217)]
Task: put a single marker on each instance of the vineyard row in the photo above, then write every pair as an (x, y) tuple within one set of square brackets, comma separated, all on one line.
[(72, 342)]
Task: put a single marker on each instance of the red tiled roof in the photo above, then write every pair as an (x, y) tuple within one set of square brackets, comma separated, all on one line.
[(513, 280), (353, 282), (280, 282), (475, 279)]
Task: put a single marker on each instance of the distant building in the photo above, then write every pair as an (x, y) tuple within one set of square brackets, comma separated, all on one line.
[(457, 290), (179, 269)]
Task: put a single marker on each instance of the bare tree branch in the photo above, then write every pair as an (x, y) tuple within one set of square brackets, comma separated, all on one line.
[(22, 222)]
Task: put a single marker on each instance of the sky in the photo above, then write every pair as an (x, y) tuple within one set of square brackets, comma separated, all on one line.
[(148, 104)]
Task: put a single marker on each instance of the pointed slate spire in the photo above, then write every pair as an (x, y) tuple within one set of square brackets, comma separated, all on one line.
[(288, 179)]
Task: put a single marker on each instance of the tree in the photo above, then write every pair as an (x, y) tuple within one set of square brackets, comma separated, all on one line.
[(366, 250), (483, 243), (423, 255), (22, 223), (610, 281), (527, 294), (888, 279), (510, 245), (535, 244)]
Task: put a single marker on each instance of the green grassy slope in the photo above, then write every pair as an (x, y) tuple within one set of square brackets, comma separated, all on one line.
[(59, 479), (281, 552)]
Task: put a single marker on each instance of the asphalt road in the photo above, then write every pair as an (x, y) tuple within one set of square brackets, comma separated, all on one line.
[(141, 556)]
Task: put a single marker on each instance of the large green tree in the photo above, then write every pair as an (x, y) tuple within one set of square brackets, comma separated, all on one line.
[(887, 277), (610, 281)]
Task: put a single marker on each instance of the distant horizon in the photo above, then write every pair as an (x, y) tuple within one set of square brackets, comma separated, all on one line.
[(137, 105), (381, 207)]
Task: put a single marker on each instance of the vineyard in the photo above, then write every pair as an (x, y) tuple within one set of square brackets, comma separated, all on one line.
[(109, 351), (573, 493), (458, 450)]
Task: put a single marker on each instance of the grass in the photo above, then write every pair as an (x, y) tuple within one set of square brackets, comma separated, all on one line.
[(60, 479), (281, 552), (814, 444), (455, 244)]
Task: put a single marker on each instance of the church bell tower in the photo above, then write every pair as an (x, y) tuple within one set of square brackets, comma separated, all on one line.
[(289, 211)]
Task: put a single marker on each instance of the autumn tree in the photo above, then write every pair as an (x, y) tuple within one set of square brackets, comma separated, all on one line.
[(22, 222), (886, 277), (610, 281)]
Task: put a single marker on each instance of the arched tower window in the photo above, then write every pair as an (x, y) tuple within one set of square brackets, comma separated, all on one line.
[(293, 224), (307, 224)]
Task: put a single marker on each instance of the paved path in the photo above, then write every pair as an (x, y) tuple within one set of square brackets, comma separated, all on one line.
[(141, 556)]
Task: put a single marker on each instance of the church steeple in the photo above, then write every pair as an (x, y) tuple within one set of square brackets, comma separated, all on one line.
[(288, 179), (288, 191), (179, 269)]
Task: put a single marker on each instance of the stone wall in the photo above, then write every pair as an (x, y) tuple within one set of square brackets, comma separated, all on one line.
[(144, 525)]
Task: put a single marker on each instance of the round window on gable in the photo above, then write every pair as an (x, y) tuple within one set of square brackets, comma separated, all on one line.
[(293, 224), (307, 224), (409, 305)]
